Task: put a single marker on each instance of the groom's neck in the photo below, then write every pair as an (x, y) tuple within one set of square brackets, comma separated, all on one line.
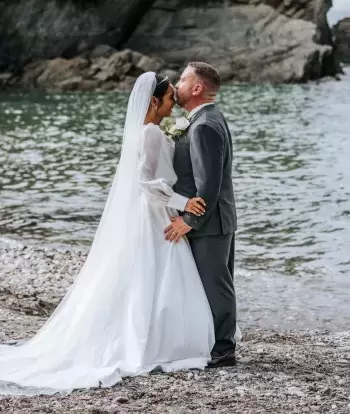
[(195, 103)]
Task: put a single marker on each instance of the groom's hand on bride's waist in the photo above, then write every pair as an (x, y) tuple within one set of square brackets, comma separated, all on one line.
[(177, 229)]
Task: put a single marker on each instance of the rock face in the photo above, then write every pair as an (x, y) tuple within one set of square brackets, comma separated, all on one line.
[(37, 29), (248, 40), (341, 33)]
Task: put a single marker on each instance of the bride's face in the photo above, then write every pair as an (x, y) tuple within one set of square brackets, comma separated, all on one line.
[(166, 105)]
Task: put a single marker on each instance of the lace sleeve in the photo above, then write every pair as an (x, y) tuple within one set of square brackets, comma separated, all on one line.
[(157, 190)]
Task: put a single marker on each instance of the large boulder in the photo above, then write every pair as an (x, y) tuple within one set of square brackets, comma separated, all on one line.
[(247, 40), (84, 73), (341, 33)]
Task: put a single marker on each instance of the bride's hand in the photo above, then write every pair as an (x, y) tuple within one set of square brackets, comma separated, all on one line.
[(196, 206)]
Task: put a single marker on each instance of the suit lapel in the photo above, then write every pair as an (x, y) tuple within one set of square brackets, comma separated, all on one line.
[(186, 135)]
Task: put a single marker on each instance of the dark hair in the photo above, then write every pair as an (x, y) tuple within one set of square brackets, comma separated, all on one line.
[(208, 73), (162, 86)]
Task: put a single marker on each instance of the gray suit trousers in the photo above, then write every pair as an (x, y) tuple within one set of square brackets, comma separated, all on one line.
[(214, 257)]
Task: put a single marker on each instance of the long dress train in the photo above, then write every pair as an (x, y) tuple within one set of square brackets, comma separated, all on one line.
[(107, 328)]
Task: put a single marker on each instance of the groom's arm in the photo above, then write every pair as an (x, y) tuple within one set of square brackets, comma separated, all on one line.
[(207, 152)]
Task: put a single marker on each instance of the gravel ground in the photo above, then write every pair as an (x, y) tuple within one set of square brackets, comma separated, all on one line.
[(277, 372)]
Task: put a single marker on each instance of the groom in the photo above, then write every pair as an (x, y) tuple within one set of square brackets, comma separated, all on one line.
[(203, 164)]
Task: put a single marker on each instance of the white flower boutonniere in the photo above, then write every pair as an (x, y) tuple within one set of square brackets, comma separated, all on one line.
[(174, 127)]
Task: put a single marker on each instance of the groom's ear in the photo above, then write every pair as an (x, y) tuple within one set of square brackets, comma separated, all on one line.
[(197, 89)]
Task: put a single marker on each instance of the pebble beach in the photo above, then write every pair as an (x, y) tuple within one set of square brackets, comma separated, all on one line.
[(277, 371)]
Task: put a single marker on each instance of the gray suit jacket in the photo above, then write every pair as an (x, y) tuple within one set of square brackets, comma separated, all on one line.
[(203, 164)]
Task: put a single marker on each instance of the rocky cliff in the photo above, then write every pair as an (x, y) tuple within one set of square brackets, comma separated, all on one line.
[(36, 29), (341, 33), (248, 40)]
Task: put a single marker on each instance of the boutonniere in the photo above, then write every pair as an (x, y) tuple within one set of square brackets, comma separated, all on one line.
[(174, 127)]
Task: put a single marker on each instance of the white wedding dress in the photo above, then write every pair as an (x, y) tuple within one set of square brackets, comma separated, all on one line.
[(138, 303)]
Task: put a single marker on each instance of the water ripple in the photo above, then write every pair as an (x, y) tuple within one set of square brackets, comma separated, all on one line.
[(58, 155)]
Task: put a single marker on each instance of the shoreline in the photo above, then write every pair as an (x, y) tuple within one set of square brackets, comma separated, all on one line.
[(9, 83), (277, 371)]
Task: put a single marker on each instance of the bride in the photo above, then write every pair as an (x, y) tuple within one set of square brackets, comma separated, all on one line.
[(138, 303)]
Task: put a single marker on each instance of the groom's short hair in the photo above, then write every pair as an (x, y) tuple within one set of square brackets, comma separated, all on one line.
[(207, 73)]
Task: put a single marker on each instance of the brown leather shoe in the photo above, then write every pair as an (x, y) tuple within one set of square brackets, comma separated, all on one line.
[(222, 360)]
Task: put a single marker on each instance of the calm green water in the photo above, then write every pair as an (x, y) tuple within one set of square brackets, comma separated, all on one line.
[(58, 154)]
